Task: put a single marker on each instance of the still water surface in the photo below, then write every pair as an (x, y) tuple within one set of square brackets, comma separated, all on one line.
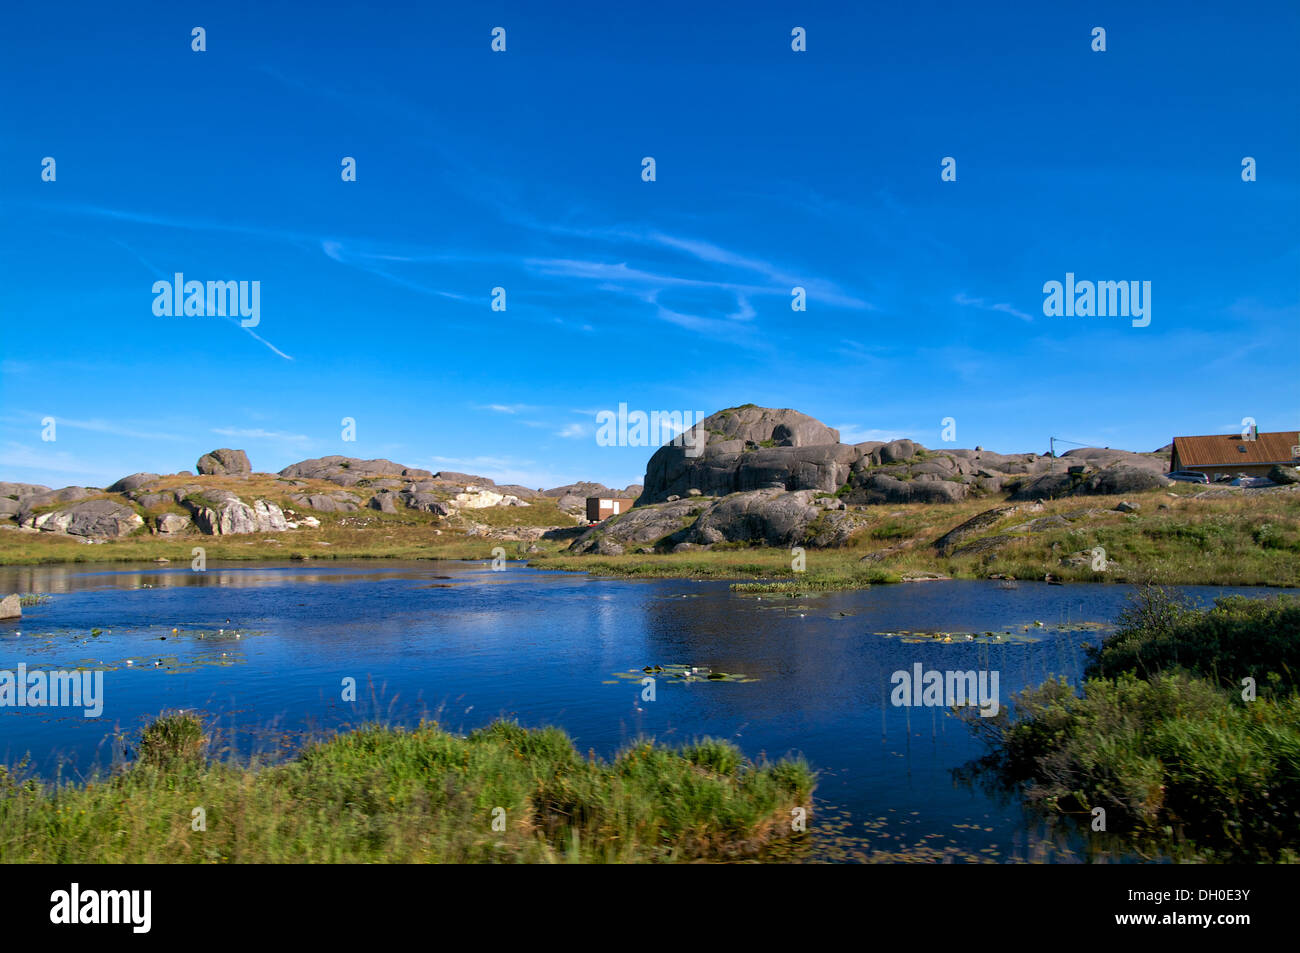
[(463, 644)]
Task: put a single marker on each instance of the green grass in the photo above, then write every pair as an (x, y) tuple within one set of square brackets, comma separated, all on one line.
[(1241, 540), (1164, 738), (1238, 637), (538, 513), (419, 796)]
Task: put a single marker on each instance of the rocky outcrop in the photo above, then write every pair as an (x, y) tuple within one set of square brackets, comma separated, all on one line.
[(68, 494), (641, 526), (224, 462), (11, 607), (572, 498), (19, 490), (770, 517), (89, 518), (753, 448), (224, 514), (328, 502), (1284, 475), (975, 526), (749, 448), (1116, 479), (133, 482), (879, 488), (451, 476), (425, 502), (476, 498), (349, 471), (169, 524)]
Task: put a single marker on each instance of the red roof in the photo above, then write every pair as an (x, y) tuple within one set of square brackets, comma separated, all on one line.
[(1224, 449)]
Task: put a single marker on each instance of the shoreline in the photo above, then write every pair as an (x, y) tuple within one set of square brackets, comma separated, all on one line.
[(1171, 538)]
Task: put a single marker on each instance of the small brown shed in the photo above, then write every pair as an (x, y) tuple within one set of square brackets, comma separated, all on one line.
[(603, 507)]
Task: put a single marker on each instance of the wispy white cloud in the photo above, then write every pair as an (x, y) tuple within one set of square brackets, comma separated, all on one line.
[(852, 433), (116, 429), (18, 459), (257, 433), (505, 408), (969, 302)]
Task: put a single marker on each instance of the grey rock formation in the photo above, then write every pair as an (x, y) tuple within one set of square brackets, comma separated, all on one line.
[(11, 607), (90, 518), (640, 526), (977, 525), (230, 516), (19, 490), (452, 476), (425, 503), (132, 482), (224, 462), (572, 497), (981, 546), (750, 448), (349, 471), (1120, 478), (171, 523), (878, 488), (1284, 475), (328, 503), (772, 517), (68, 494)]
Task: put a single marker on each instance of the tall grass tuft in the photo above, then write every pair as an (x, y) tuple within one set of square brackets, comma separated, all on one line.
[(501, 794)]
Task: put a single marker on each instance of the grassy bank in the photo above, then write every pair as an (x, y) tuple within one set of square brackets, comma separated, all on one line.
[(385, 795), (1174, 538), (1165, 738)]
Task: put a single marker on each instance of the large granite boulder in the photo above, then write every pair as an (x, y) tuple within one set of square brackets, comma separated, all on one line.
[(750, 448), (224, 462), (90, 518), (224, 514), (349, 471), (169, 524), (771, 517), (133, 482)]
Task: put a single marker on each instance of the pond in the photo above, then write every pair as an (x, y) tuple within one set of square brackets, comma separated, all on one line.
[(265, 649)]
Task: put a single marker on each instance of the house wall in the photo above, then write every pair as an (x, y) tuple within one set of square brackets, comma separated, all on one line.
[(1250, 469)]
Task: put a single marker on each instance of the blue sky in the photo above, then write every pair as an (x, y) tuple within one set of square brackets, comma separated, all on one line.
[(522, 170)]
